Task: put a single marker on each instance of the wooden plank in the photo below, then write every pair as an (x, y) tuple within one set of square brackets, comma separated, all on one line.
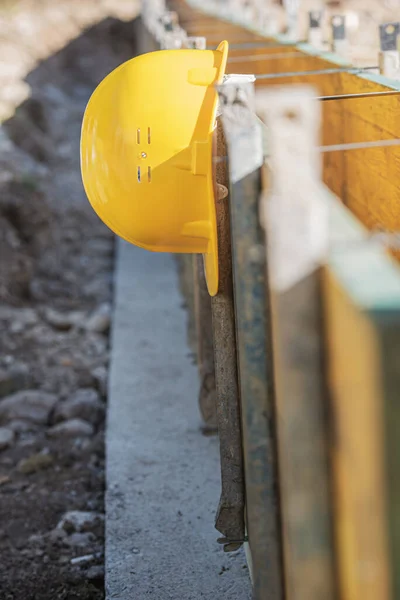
[(301, 397), (362, 316), (205, 345), (300, 62), (388, 323), (186, 281), (344, 121), (357, 448), (254, 352), (361, 291), (302, 434), (271, 47)]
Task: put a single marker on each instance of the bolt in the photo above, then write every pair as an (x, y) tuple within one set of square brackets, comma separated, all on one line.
[(144, 155)]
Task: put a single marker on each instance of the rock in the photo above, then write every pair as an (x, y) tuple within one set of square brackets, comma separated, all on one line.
[(96, 573), (36, 538), (84, 377), (20, 426), (55, 536), (101, 246), (25, 316), (16, 327), (100, 319), (71, 428), (95, 347), (79, 540), (100, 376), (63, 321), (6, 437), (79, 521), (99, 287), (83, 404), (35, 463), (29, 405), (13, 379)]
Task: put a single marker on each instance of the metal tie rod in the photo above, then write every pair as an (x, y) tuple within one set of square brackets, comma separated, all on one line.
[(359, 145), (338, 147), (264, 76), (359, 95), (264, 57), (260, 44)]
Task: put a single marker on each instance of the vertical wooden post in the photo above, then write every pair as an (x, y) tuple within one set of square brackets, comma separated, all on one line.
[(205, 346), (230, 515), (244, 141), (294, 215), (203, 320)]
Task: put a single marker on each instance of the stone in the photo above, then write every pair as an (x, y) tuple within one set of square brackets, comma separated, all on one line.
[(84, 377), (80, 521), (79, 540), (34, 406), (100, 376), (55, 536), (71, 428), (99, 321), (95, 573), (7, 437), (35, 463), (26, 316), (16, 327), (101, 246), (83, 404), (63, 321), (20, 426), (36, 538), (95, 347), (13, 379), (98, 287)]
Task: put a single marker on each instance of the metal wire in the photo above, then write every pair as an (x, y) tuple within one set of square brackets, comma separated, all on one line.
[(284, 74), (337, 147), (259, 44), (359, 145), (354, 70), (359, 95), (264, 57)]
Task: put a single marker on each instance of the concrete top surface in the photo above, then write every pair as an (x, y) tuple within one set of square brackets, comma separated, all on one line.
[(163, 475)]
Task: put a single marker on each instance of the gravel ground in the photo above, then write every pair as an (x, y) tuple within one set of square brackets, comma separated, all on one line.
[(55, 304)]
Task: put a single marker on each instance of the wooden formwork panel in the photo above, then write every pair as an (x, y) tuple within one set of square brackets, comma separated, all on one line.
[(365, 180), (360, 307), (362, 322)]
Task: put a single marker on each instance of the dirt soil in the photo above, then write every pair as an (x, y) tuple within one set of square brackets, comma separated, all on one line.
[(55, 304)]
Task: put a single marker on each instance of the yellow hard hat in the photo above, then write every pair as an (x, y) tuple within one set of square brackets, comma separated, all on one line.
[(146, 152)]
